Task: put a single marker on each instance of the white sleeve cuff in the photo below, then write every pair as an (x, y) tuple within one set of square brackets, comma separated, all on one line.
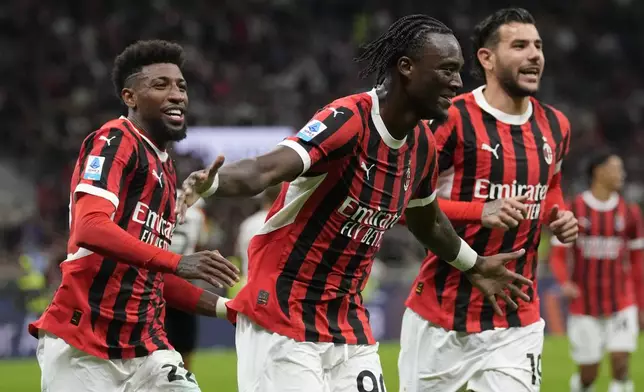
[(422, 202), (221, 311), (96, 191), (558, 167), (466, 257), (213, 187), (306, 159)]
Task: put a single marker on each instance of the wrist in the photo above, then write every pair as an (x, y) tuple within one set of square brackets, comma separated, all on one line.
[(213, 187), (221, 311), (467, 258)]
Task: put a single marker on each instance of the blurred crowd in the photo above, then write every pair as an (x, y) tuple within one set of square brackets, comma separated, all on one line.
[(270, 62)]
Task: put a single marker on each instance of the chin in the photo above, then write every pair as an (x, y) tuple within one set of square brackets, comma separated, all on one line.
[(438, 114), (175, 134)]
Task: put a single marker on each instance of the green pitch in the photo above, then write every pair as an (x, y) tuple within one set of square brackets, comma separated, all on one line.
[(215, 370)]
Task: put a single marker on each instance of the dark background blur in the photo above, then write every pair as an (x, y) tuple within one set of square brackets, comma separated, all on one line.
[(267, 62)]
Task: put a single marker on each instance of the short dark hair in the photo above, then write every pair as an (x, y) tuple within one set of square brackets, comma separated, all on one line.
[(403, 38), (486, 33), (598, 159), (142, 53)]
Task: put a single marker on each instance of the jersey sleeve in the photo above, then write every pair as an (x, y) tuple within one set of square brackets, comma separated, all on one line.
[(106, 158), (425, 193), (564, 144), (446, 136), (332, 133), (635, 228)]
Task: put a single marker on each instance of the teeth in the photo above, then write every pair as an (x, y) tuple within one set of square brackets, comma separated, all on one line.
[(174, 112)]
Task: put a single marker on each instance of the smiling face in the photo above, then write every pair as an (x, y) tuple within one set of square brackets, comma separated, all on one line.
[(159, 96), (433, 77), (516, 59)]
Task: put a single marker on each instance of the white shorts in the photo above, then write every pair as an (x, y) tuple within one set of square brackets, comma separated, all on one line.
[(434, 359), (268, 362), (591, 336), (65, 368)]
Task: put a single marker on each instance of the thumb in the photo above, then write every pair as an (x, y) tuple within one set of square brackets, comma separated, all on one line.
[(554, 213), (214, 167), (508, 257), (522, 199)]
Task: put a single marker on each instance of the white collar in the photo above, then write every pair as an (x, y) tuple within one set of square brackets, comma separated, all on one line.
[(389, 140), (599, 205), (511, 119), (163, 155)]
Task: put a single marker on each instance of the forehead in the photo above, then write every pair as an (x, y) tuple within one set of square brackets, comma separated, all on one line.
[(518, 31), (614, 160), (162, 70), (441, 48)]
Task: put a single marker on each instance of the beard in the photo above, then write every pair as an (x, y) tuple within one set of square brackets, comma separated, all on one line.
[(168, 132), (509, 83)]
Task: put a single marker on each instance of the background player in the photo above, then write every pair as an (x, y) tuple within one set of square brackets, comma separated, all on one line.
[(104, 330), (603, 288), (498, 142), (182, 327), (350, 174), (253, 224)]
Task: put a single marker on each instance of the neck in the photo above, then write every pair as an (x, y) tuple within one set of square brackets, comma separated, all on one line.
[(499, 99), (600, 192), (397, 114), (160, 143)]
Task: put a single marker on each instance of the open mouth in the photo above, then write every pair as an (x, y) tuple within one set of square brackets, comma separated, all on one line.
[(174, 114), (530, 71)]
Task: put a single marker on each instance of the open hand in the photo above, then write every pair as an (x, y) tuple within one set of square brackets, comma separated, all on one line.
[(197, 183)]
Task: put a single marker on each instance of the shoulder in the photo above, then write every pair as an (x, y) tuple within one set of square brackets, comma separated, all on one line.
[(552, 114), (115, 132)]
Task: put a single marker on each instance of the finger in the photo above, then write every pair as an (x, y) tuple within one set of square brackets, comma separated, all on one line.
[(509, 301), (495, 305), (512, 255), (515, 291), (220, 276), (518, 205), (570, 225), (500, 225), (520, 199), (508, 220), (515, 214), (210, 279), (520, 279), (214, 167), (560, 223), (554, 213), (569, 235), (222, 264)]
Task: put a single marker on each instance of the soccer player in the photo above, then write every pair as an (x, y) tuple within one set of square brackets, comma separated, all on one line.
[(605, 291), (350, 174), (498, 142), (182, 327), (104, 330)]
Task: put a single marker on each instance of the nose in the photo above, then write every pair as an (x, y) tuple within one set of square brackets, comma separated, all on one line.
[(456, 83), (177, 95)]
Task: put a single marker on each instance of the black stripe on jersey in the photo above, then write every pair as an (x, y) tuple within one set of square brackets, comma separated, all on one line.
[(585, 212), (482, 238), (534, 237), (446, 156), (87, 149), (330, 256), (466, 191), (109, 151), (155, 326), (97, 289), (132, 273), (135, 337), (421, 152), (600, 266), (613, 232), (509, 238), (555, 127)]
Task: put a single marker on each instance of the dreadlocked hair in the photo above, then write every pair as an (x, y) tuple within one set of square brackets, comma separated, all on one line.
[(403, 38)]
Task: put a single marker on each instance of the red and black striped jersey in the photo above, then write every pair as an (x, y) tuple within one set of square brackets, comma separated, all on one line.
[(104, 307), (485, 154), (608, 231), (311, 260)]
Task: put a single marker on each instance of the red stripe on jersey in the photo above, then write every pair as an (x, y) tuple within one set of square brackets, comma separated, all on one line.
[(105, 307)]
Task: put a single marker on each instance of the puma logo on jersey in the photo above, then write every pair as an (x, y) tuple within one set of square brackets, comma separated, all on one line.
[(107, 140), (486, 147), (158, 176), (335, 111), (366, 169)]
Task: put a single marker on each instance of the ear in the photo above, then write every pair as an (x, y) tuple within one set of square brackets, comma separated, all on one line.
[(405, 66), (486, 58), (129, 97)]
